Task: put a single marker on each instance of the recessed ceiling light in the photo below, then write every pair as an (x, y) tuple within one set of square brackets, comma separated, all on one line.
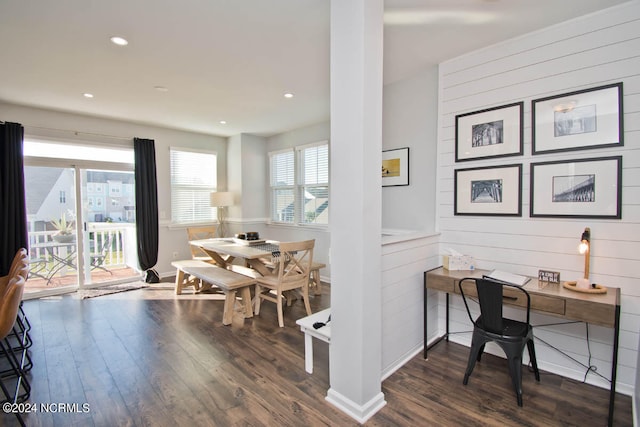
[(87, 95), (161, 89), (223, 122), (288, 95), (119, 41)]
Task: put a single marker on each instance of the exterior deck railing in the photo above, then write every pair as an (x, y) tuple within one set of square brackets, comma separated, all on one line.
[(117, 240)]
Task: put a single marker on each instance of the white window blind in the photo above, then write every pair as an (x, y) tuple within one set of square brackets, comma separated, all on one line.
[(282, 167), (193, 178), (300, 184), (314, 166)]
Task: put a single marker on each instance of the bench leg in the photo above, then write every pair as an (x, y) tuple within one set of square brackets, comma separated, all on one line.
[(229, 305), (179, 281), (245, 294)]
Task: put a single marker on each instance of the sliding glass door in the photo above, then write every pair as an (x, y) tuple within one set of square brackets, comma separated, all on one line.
[(53, 239), (109, 230), (81, 216)]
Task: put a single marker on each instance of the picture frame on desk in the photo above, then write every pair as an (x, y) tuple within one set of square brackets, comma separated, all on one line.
[(583, 119), (492, 132), (489, 191), (584, 188)]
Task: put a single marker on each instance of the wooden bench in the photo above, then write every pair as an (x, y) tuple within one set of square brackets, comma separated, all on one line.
[(227, 281), (322, 333)]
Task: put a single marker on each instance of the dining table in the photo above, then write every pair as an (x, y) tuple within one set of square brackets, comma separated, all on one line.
[(257, 254)]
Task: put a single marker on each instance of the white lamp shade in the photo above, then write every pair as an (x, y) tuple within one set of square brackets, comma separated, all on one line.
[(220, 199)]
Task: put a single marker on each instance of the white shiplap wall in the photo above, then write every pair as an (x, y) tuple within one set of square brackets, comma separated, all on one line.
[(403, 265), (586, 52)]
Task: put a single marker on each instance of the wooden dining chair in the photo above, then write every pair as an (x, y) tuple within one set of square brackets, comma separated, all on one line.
[(293, 264), (200, 233)]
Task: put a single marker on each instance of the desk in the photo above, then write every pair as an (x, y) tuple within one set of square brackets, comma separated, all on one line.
[(552, 299), (323, 334), (254, 255)]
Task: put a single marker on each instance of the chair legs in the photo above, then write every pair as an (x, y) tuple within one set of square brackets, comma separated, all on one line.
[(477, 348), (278, 299), (532, 358), (513, 351)]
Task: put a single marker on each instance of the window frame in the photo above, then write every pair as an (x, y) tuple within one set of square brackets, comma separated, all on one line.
[(298, 187), (211, 187)]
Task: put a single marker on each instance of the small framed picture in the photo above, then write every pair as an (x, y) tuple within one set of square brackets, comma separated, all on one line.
[(584, 119), (494, 132), (585, 188), (395, 167), (495, 191)]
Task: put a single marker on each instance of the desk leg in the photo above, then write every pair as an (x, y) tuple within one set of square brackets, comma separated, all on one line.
[(308, 353), (614, 366), (446, 334), (425, 299)]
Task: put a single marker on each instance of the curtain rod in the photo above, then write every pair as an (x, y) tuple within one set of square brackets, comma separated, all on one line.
[(80, 133)]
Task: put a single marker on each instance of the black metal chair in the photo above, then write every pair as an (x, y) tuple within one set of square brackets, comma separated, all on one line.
[(491, 326)]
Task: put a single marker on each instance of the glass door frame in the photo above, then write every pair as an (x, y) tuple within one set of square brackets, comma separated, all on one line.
[(77, 165)]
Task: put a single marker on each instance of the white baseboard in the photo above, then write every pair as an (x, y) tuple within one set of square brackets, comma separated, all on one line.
[(399, 363), (360, 413)]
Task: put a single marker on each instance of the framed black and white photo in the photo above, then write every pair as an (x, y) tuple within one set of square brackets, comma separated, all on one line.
[(584, 119), (585, 188), (395, 167), (493, 190), (494, 132)]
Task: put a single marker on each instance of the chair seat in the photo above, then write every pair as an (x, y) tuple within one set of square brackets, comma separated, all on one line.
[(512, 329)]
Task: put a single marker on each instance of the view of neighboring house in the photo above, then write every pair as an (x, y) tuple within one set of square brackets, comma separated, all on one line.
[(50, 194)]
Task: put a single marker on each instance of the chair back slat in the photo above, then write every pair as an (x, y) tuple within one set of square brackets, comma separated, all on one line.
[(200, 233), (294, 263), (490, 299)]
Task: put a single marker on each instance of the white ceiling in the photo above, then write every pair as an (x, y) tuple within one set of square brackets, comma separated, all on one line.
[(229, 60)]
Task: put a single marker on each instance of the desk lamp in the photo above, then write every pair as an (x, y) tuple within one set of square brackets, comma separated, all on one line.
[(220, 200), (585, 248)]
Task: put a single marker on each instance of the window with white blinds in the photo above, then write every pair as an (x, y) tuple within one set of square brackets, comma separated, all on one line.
[(314, 194), (193, 178), (282, 167), (300, 184)]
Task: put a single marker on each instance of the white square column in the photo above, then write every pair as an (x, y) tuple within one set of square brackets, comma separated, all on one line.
[(355, 213)]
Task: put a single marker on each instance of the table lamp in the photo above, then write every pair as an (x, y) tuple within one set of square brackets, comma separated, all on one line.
[(220, 200), (585, 248)]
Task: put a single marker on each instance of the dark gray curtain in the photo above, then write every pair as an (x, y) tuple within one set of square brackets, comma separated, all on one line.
[(13, 211), (146, 206)]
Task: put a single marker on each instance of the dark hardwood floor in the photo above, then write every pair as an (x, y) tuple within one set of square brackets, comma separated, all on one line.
[(149, 358)]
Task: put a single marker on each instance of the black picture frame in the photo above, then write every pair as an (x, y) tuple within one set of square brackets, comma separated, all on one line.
[(578, 120), (581, 188), (489, 133), (395, 167), (488, 191)]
